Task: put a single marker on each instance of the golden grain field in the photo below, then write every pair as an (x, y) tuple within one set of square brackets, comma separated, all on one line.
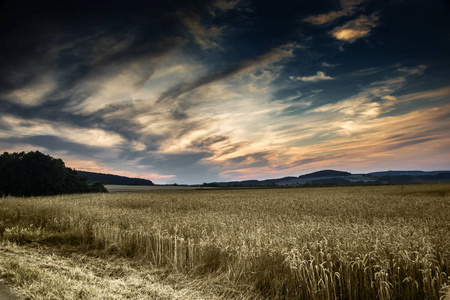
[(365, 242)]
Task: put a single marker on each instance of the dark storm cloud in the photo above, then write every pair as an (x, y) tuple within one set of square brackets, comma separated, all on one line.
[(206, 143), (78, 43), (316, 159), (411, 136), (222, 74), (232, 148), (253, 160), (109, 64), (398, 141), (80, 39), (406, 143), (118, 118), (272, 56), (54, 143)]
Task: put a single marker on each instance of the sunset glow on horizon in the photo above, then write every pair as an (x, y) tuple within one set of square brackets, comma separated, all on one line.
[(206, 91)]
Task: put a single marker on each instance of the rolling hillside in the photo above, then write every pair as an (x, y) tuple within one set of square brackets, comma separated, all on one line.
[(333, 177), (113, 179)]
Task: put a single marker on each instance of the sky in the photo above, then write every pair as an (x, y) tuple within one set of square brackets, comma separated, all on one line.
[(202, 91)]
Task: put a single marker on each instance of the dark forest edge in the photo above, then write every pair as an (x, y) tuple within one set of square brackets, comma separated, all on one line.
[(37, 174), (113, 179)]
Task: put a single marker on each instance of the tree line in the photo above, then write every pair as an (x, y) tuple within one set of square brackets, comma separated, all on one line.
[(37, 174)]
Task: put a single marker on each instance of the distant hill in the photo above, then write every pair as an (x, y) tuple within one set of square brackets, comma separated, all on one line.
[(319, 177), (113, 179), (405, 173), (442, 176), (325, 173), (333, 177), (418, 177)]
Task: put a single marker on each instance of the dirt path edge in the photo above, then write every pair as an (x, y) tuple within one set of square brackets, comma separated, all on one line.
[(6, 293)]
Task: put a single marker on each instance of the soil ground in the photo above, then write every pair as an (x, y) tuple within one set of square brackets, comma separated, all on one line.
[(6, 293)]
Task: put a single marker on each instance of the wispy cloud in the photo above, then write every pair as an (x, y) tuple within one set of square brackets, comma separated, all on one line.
[(225, 5), (355, 29), (327, 65), (205, 36), (349, 7), (275, 55), (419, 70), (373, 100), (318, 77), (440, 93)]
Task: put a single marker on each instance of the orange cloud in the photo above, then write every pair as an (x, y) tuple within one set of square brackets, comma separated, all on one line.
[(355, 29)]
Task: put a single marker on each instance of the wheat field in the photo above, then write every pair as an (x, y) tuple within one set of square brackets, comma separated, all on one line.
[(364, 242)]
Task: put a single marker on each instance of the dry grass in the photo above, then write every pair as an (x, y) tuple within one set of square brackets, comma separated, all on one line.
[(45, 274), (386, 242)]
